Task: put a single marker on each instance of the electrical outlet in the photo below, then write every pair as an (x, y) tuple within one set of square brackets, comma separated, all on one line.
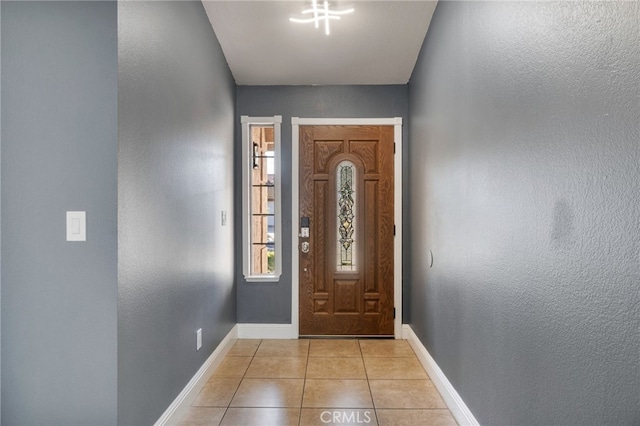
[(224, 218), (198, 339)]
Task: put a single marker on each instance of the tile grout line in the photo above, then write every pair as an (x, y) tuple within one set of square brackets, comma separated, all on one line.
[(373, 403), (240, 382), (304, 384)]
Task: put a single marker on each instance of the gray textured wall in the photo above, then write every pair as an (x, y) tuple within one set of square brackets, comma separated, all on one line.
[(175, 176), (0, 220), (525, 181), (59, 152), (271, 302)]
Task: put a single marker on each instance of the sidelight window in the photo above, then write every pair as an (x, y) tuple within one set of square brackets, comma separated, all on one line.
[(261, 198)]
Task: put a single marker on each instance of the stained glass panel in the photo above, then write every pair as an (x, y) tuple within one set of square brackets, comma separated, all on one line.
[(346, 220)]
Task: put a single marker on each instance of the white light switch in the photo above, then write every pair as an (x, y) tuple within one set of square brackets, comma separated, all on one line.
[(76, 226)]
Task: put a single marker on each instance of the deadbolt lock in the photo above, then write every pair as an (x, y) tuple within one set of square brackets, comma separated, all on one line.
[(305, 247)]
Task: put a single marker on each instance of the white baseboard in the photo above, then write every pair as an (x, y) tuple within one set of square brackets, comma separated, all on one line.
[(181, 404), (266, 331), (455, 403)]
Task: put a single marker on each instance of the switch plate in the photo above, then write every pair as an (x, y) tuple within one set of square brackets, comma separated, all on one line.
[(198, 339), (224, 218), (76, 226)]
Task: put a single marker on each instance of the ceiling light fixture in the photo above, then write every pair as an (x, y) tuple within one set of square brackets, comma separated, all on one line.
[(321, 14)]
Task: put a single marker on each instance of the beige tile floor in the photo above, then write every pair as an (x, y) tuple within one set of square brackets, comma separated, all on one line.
[(319, 382)]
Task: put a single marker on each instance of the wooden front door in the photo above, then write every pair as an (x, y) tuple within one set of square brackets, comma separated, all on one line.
[(346, 192)]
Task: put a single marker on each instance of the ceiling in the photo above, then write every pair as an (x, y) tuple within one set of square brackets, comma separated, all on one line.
[(376, 44)]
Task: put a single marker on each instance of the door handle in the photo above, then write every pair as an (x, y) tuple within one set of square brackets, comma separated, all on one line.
[(305, 247)]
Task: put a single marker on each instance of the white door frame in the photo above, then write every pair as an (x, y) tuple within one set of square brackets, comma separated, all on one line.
[(295, 210)]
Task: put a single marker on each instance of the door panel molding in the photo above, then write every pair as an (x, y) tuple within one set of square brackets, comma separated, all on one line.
[(295, 209)]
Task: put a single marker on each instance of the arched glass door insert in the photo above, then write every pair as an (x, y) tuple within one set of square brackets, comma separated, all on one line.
[(346, 249)]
